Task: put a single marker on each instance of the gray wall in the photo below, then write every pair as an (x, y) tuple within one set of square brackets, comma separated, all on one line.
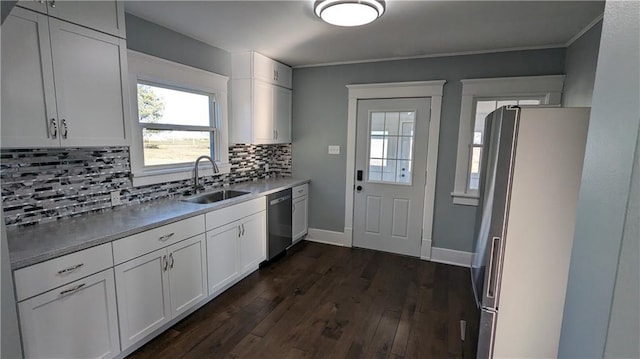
[(580, 67), (5, 8), (153, 39), (320, 119), (624, 325), (605, 188)]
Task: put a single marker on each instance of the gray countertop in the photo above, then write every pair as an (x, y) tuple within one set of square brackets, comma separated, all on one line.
[(31, 245)]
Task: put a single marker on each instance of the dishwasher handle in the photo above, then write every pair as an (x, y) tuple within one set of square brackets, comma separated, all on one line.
[(278, 200)]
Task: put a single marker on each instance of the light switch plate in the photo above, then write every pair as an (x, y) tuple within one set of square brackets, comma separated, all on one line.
[(334, 150)]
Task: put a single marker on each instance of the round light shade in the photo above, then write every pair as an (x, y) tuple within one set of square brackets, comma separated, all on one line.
[(349, 12)]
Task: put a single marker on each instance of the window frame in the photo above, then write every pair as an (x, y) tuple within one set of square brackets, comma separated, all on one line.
[(151, 70), (547, 88)]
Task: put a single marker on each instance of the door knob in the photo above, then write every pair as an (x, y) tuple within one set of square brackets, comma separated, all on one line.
[(359, 188)]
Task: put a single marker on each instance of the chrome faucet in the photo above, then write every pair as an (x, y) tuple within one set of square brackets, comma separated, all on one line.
[(195, 177)]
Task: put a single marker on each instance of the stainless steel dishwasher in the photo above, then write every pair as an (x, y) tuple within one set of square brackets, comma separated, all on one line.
[(278, 222)]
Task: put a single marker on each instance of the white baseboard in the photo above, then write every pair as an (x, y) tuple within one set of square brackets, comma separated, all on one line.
[(450, 256), (425, 249), (326, 237)]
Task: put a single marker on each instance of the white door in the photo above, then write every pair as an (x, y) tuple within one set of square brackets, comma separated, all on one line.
[(299, 221), (391, 157), (187, 281), (263, 131), (222, 256), (253, 241), (88, 85), (282, 114), (143, 296), (78, 320), (29, 116)]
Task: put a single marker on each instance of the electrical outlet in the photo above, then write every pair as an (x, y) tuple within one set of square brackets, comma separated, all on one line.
[(115, 198), (334, 150)]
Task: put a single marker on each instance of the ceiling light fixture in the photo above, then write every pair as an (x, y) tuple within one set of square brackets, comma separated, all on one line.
[(349, 12)]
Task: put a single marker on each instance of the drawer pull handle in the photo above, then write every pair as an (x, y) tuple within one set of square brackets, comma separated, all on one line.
[(69, 291), (166, 236), (165, 263), (70, 269), (172, 261)]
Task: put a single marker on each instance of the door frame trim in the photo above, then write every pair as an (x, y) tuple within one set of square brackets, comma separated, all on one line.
[(431, 89)]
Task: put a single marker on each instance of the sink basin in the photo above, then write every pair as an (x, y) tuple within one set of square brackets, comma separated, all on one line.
[(214, 197)]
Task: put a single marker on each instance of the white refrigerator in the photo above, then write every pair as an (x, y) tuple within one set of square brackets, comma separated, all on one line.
[(531, 171)]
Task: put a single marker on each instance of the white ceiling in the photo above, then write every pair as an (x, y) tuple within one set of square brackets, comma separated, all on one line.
[(289, 31)]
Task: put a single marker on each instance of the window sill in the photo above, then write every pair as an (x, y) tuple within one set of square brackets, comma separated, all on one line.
[(465, 199), (175, 174)]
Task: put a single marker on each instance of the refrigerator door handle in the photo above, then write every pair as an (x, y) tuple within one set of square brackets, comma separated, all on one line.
[(493, 267)]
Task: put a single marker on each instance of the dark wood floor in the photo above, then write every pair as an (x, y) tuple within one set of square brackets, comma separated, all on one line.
[(323, 301)]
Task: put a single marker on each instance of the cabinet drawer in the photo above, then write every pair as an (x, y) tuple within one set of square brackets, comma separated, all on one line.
[(153, 239), (53, 273), (301, 190), (226, 215)]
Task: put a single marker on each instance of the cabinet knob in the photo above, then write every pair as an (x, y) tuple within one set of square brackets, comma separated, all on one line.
[(53, 128), (52, 3), (66, 129)]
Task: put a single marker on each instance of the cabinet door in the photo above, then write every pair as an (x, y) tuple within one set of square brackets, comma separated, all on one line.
[(78, 320), (35, 5), (143, 296), (222, 256), (253, 241), (263, 68), (88, 68), (300, 212), (105, 16), (283, 75), (187, 276), (263, 130), (28, 100), (282, 114)]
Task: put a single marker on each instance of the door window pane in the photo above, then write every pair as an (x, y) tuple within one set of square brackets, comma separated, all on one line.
[(391, 146)]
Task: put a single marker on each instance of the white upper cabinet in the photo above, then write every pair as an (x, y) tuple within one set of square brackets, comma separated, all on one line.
[(261, 100), (62, 84), (104, 16)]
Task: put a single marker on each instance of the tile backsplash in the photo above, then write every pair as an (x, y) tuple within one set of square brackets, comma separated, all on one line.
[(40, 185)]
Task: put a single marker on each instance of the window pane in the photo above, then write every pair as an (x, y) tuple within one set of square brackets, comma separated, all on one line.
[(483, 108), (377, 147), (168, 106), (392, 122), (389, 171), (164, 147), (474, 173), (404, 171), (529, 102), (377, 122)]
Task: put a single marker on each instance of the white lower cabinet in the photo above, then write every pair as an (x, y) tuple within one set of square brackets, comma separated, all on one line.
[(78, 320), (234, 250), (253, 241), (222, 256), (300, 212), (158, 286)]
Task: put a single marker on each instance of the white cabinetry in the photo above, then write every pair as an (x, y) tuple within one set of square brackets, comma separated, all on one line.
[(165, 281), (78, 319), (261, 100), (300, 212), (105, 16), (236, 243), (62, 84)]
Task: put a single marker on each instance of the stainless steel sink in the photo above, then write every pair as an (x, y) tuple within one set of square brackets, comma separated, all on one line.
[(214, 197)]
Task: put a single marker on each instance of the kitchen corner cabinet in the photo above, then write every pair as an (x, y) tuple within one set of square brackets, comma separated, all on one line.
[(300, 212), (104, 16), (62, 84), (261, 100)]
